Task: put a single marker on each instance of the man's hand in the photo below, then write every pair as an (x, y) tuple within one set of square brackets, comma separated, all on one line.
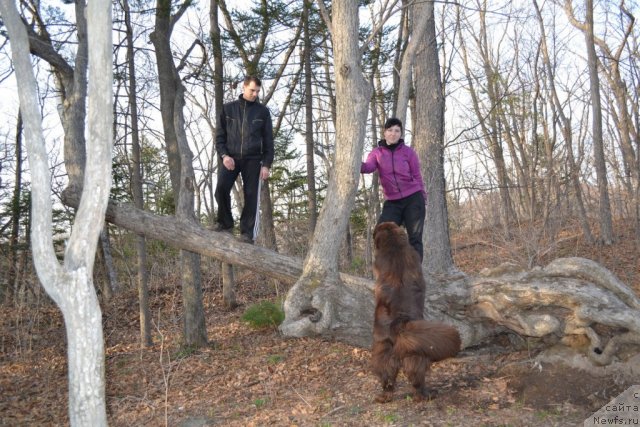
[(264, 173), (229, 163)]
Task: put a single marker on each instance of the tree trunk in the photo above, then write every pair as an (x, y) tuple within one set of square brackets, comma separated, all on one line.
[(267, 229), (429, 145), (180, 166), (567, 132), (195, 330), (606, 222), (489, 120), (70, 285), (319, 303), (419, 19), (74, 105), (194, 238), (12, 271), (228, 279), (110, 270), (136, 187), (507, 297), (228, 286), (311, 169)]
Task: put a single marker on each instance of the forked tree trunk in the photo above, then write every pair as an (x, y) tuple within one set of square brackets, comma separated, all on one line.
[(70, 285), (319, 303)]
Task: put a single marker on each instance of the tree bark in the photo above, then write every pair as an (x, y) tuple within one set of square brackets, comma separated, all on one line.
[(70, 285), (136, 187), (308, 136), (111, 285), (193, 237), (228, 286), (567, 131), (12, 271), (319, 303), (429, 145), (228, 279), (606, 221), (180, 165)]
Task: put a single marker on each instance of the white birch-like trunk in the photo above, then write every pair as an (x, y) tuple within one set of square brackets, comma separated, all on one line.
[(71, 285)]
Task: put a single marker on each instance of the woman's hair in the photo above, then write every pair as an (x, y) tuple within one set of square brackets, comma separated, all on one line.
[(393, 121)]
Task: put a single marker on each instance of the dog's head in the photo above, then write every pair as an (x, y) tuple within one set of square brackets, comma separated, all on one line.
[(389, 235), (394, 258)]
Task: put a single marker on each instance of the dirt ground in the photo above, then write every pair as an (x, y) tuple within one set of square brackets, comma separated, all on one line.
[(250, 377)]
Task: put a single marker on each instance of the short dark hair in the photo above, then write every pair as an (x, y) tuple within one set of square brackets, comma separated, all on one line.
[(249, 79), (393, 121)]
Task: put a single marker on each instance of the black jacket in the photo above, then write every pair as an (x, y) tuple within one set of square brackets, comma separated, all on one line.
[(245, 131)]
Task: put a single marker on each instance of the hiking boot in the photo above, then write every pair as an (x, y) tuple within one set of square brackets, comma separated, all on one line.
[(220, 229), (245, 238)]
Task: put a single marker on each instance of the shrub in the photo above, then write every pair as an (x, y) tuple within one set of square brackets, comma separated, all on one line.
[(264, 314)]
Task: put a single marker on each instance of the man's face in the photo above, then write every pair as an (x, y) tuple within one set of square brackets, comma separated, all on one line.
[(250, 91)]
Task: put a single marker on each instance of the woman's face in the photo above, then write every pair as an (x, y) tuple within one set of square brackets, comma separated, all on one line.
[(392, 135)]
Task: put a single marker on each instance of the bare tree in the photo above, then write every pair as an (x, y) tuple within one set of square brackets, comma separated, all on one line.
[(565, 124), (606, 221), (309, 140), (12, 273), (488, 115), (136, 182), (70, 285), (429, 143), (180, 164), (310, 308)]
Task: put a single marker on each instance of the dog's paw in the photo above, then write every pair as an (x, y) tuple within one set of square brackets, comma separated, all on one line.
[(423, 394), (384, 397)]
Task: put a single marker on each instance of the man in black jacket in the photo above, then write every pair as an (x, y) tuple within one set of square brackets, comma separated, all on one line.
[(244, 142)]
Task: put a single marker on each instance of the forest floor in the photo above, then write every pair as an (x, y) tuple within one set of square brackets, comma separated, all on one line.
[(249, 377)]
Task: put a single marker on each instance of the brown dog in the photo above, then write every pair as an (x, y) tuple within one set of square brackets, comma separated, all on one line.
[(401, 336)]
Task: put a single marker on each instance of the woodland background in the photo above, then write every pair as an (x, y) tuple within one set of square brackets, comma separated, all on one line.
[(540, 147)]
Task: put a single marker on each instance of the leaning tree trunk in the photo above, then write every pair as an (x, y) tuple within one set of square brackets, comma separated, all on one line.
[(70, 285), (319, 303), (569, 297), (577, 295)]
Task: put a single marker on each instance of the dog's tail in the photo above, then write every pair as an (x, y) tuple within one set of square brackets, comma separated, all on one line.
[(433, 340)]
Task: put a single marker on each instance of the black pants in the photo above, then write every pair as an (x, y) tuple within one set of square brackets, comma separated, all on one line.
[(409, 212), (250, 171)]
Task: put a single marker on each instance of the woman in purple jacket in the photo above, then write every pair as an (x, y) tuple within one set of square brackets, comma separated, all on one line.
[(402, 185)]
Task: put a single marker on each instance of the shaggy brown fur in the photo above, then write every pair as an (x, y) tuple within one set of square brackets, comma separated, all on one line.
[(401, 338)]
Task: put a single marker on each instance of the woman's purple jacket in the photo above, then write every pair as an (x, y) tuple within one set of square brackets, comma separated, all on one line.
[(399, 170)]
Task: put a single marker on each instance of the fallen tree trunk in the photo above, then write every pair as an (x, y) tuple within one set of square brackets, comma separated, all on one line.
[(195, 238), (569, 298)]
